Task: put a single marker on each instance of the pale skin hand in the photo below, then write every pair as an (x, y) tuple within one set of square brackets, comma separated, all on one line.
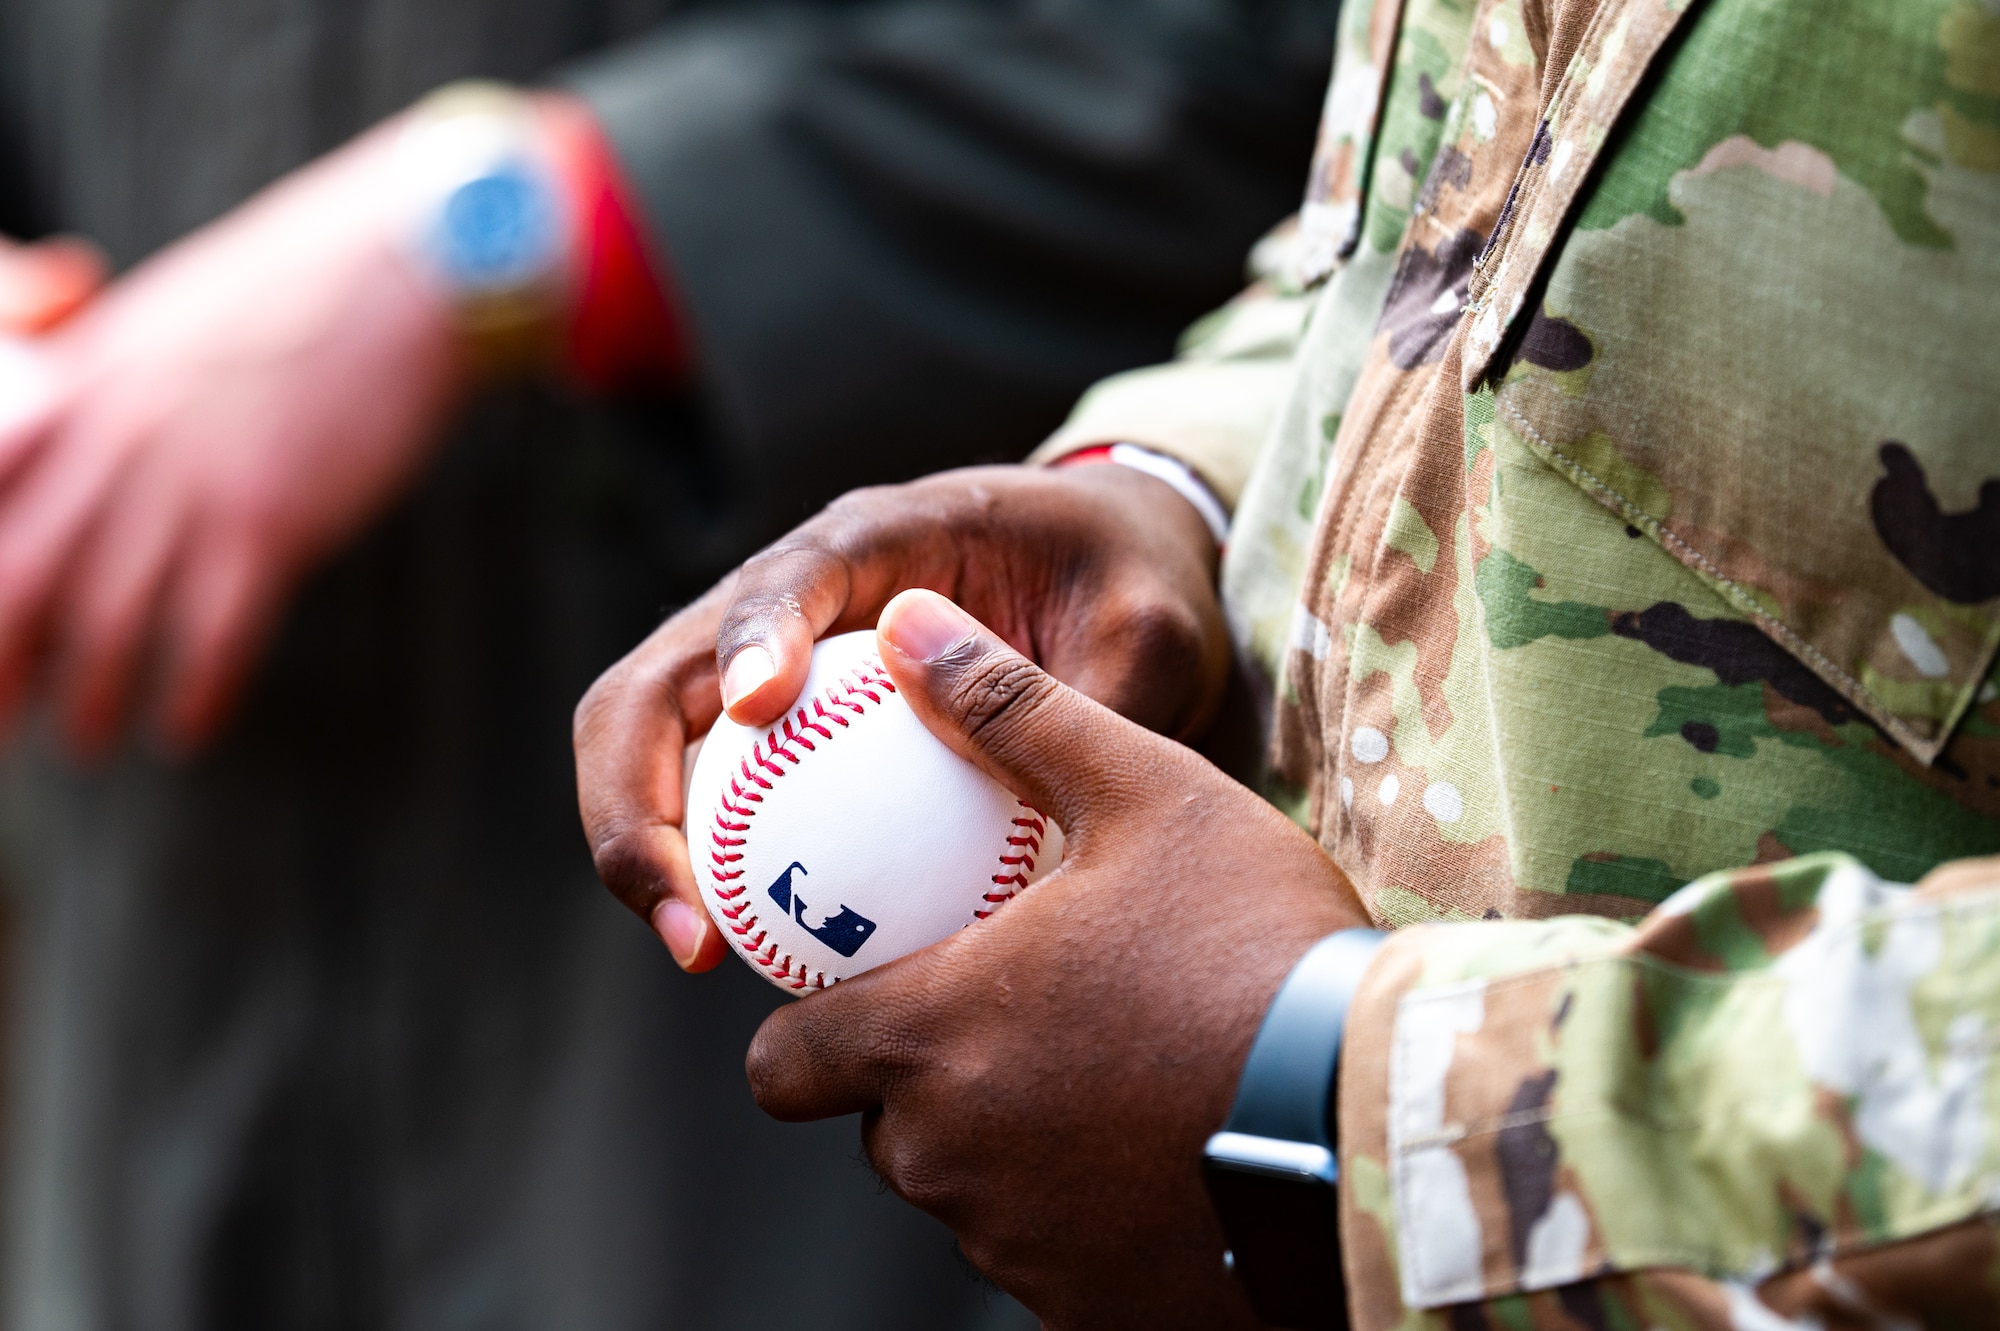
[(45, 283), (1102, 575), (1043, 1081), (221, 420)]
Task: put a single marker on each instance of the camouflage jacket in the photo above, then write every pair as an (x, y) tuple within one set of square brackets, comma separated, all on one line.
[(1618, 505)]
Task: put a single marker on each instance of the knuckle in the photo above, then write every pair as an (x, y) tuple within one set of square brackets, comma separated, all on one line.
[(909, 1166), (989, 1254), (773, 588), (587, 721), (861, 523), (629, 868), (860, 507), (997, 694), (764, 1064), (797, 1063), (643, 683), (1164, 635), (1162, 665)]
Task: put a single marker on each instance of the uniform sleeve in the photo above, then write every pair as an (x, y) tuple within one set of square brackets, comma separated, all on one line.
[(908, 234), (1770, 1103)]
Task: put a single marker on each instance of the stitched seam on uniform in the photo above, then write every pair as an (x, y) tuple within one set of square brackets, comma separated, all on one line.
[(1850, 688), (1588, 48), (1712, 1261), (759, 768), (1561, 107)]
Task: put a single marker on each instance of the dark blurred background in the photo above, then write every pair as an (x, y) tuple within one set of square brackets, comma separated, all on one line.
[(327, 1023)]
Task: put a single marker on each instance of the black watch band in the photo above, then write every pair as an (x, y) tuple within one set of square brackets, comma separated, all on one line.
[(1271, 1171)]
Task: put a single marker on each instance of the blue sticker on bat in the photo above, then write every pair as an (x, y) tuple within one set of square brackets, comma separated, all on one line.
[(844, 931)]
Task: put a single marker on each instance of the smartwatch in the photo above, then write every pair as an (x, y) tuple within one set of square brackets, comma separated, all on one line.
[(1272, 1171)]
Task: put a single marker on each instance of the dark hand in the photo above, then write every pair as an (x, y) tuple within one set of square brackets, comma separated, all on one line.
[(1042, 1082), (1102, 575)]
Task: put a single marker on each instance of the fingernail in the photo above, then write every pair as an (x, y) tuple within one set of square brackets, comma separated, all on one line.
[(924, 626), (680, 927), (749, 670)]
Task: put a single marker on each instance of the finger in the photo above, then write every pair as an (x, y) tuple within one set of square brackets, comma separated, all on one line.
[(219, 611), (630, 734), (31, 400), (834, 572), (45, 283), (1153, 659), (785, 598), (834, 1052), (45, 513), (1044, 741), (109, 605)]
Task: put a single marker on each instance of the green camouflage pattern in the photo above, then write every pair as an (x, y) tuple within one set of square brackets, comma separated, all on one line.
[(1732, 326), (1330, 219), (1631, 515), (1719, 1118), (1573, 635), (1264, 565)]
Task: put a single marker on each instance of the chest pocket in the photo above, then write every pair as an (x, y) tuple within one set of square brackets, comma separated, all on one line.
[(1765, 334)]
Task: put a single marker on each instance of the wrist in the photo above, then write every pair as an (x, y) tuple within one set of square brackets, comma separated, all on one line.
[(1139, 502), (1273, 1169), (1170, 471), (485, 222)]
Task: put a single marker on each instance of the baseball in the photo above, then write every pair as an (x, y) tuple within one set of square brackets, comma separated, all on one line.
[(847, 835)]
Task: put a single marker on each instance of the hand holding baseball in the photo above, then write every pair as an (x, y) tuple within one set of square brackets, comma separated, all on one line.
[(1043, 1081), (846, 835), (1102, 575)]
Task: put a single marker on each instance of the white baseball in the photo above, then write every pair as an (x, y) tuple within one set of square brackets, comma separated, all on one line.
[(847, 835)]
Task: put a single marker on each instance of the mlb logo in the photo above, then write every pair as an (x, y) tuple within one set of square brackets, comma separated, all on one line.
[(844, 931)]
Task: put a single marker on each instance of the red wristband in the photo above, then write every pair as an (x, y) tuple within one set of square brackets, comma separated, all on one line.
[(624, 330)]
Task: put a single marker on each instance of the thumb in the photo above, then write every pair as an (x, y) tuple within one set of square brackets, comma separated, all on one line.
[(1044, 741)]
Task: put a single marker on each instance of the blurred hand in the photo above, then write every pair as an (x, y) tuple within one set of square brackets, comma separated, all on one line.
[(215, 424), (44, 283), (1101, 574), (1043, 1081)]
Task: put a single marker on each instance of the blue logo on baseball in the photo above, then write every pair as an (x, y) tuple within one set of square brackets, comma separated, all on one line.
[(844, 932)]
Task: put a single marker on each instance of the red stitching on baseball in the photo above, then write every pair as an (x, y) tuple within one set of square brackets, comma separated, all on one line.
[(793, 737), (864, 680)]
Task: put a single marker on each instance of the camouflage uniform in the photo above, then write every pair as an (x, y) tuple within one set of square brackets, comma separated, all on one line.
[(1625, 510)]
